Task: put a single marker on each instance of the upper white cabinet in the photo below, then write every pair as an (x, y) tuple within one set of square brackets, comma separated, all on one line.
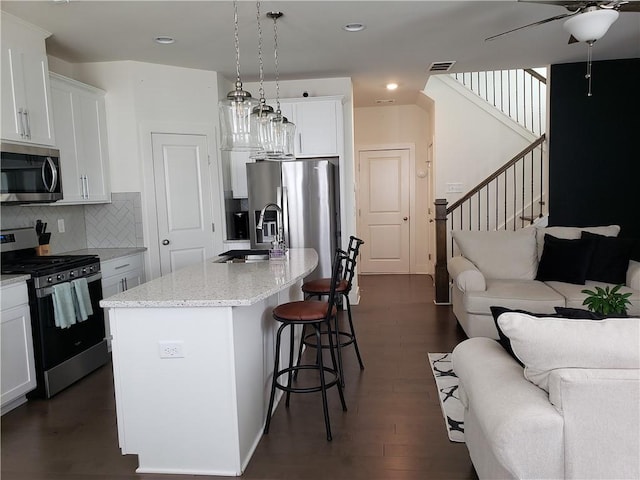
[(26, 103), (318, 123), (239, 162), (18, 367), (81, 133)]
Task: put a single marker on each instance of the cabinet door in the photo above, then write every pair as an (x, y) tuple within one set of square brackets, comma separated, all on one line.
[(92, 133), (12, 95), (239, 161), (316, 128), (37, 101), (18, 369), (64, 121)]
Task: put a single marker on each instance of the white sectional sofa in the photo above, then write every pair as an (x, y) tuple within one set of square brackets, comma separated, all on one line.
[(499, 269), (570, 413)]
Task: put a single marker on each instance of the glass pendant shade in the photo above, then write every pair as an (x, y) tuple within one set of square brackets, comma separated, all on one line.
[(277, 138), (590, 26), (260, 118), (236, 128)]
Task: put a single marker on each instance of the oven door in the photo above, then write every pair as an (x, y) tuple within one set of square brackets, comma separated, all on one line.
[(54, 344)]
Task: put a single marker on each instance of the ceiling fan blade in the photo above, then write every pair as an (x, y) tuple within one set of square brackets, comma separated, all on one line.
[(572, 39), (629, 7), (541, 22), (569, 5)]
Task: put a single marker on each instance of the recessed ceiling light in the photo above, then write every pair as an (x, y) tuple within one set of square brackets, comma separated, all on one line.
[(392, 86), (164, 40), (354, 27)]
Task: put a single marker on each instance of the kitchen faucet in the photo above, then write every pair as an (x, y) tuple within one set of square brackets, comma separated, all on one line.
[(280, 236)]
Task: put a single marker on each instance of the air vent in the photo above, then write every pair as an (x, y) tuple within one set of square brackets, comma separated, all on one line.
[(388, 100), (441, 66)]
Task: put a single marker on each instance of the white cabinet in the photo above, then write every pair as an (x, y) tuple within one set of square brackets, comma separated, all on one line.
[(119, 275), (80, 120), (18, 368), (239, 161), (26, 102), (318, 123)]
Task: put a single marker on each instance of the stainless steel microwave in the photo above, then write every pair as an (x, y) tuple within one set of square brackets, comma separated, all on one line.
[(29, 174)]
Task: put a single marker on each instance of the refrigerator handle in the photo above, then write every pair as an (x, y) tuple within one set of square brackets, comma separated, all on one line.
[(284, 205)]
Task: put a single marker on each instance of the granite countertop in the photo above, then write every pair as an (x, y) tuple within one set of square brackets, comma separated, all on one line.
[(10, 279), (107, 254), (212, 284)]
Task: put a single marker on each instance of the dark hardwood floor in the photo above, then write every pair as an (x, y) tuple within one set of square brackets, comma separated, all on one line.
[(392, 430)]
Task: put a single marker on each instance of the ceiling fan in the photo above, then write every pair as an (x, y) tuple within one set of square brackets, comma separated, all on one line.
[(587, 21)]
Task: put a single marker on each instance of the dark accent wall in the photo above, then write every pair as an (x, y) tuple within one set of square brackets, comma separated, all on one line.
[(594, 146)]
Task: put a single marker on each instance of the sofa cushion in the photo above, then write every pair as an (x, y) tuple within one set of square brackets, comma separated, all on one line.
[(500, 254), (574, 297), (572, 232), (610, 259), (581, 313), (529, 295), (565, 260), (546, 344)]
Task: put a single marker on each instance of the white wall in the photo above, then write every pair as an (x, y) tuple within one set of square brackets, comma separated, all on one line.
[(469, 144)]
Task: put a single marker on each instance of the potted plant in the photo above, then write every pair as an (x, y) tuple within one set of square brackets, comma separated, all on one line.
[(606, 301)]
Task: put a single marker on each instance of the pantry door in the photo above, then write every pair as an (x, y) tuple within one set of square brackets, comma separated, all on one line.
[(183, 200), (383, 204)]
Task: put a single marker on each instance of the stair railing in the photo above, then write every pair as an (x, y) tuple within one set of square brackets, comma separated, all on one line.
[(510, 198), (520, 94)]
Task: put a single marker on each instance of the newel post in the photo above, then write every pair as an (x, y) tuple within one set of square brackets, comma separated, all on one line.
[(441, 274)]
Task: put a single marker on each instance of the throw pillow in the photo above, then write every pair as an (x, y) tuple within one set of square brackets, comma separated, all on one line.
[(565, 260), (509, 255), (610, 259), (579, 313), (546, 344), (572, 232)]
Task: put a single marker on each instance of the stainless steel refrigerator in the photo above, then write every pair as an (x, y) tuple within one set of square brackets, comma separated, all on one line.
[(307, 191)]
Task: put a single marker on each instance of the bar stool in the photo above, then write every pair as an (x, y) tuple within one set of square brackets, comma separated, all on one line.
[(322, 287), (313, 313)]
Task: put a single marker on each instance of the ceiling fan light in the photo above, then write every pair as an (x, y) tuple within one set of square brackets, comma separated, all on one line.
[(590, 26)]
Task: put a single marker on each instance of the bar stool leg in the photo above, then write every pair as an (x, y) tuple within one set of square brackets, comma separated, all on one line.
[(338, 347), (292, 332), (304, 331), (353, 332), (323, 389), (339, 381), (273, 381)]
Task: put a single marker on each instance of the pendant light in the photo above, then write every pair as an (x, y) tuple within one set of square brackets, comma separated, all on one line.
[(277, 137), (263, 113), (235, 111)]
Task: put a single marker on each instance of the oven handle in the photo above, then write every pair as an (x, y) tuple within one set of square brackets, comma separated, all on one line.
[(46, 291)]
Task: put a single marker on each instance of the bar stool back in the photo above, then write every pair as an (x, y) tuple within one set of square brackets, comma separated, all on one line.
[(314, 314), (322, 287)]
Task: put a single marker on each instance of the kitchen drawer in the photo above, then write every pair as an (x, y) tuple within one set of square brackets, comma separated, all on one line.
[(14, 295), (122, 264)]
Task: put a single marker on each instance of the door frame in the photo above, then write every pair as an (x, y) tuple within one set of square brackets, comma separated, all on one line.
[(149, 209), (411, 147)]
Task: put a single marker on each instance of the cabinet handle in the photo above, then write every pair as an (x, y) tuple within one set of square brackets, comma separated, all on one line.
[(27, 124), (122, 266), (126, 285), (86, 181), (300, 141), (21, 129), (54, 174)]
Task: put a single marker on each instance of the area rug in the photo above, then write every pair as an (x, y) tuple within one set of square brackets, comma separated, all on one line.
[(447, 385)]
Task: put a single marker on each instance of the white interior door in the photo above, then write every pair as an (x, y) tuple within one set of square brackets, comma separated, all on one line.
[(384, 200), (183, 200)]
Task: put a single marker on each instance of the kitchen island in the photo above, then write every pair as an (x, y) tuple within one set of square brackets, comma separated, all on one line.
[(193, 359)]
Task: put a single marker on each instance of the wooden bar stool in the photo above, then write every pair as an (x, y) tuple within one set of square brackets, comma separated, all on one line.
[(312, 313), (322, 287)]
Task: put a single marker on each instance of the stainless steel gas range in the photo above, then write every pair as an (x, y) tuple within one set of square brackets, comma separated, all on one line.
[(63, 354)]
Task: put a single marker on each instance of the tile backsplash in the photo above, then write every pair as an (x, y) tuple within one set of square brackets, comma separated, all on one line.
[(109, 225)]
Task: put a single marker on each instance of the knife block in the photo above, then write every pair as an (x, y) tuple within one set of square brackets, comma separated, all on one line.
[(43, 250)]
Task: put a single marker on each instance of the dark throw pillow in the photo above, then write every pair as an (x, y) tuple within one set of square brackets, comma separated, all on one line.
[(504, 340), (610, 259), (565, 260)]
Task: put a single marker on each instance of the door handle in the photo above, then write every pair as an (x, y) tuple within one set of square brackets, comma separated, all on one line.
[(165, 242), (405, 218)]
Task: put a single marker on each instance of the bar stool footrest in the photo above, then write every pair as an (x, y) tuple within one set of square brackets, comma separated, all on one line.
[(317, 388)]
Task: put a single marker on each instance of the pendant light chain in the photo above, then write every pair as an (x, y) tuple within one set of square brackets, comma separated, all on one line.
[(589, 59), (260, 62), (236, 39), (275, 57)]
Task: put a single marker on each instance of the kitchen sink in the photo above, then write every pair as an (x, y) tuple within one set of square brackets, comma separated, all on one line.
[(243, 256)]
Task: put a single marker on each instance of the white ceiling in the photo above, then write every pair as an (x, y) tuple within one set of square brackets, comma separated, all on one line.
[(401, 40)]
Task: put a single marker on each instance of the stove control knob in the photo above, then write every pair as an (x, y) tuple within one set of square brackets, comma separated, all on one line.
[(72, 274), (49, 280), (84, 270), (60, 277), (91, 269)]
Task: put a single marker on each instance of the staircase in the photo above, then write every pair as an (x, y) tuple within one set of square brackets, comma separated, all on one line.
[(514, 195)]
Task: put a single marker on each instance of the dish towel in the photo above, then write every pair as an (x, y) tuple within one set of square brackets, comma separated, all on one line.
[(64, 313), (81, 299)]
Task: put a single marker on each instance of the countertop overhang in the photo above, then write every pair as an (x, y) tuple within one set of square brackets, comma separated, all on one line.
[(212, 284)]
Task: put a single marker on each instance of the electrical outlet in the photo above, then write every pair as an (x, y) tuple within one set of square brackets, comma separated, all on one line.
[(171, 349), (61, 225), (454, 188)]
